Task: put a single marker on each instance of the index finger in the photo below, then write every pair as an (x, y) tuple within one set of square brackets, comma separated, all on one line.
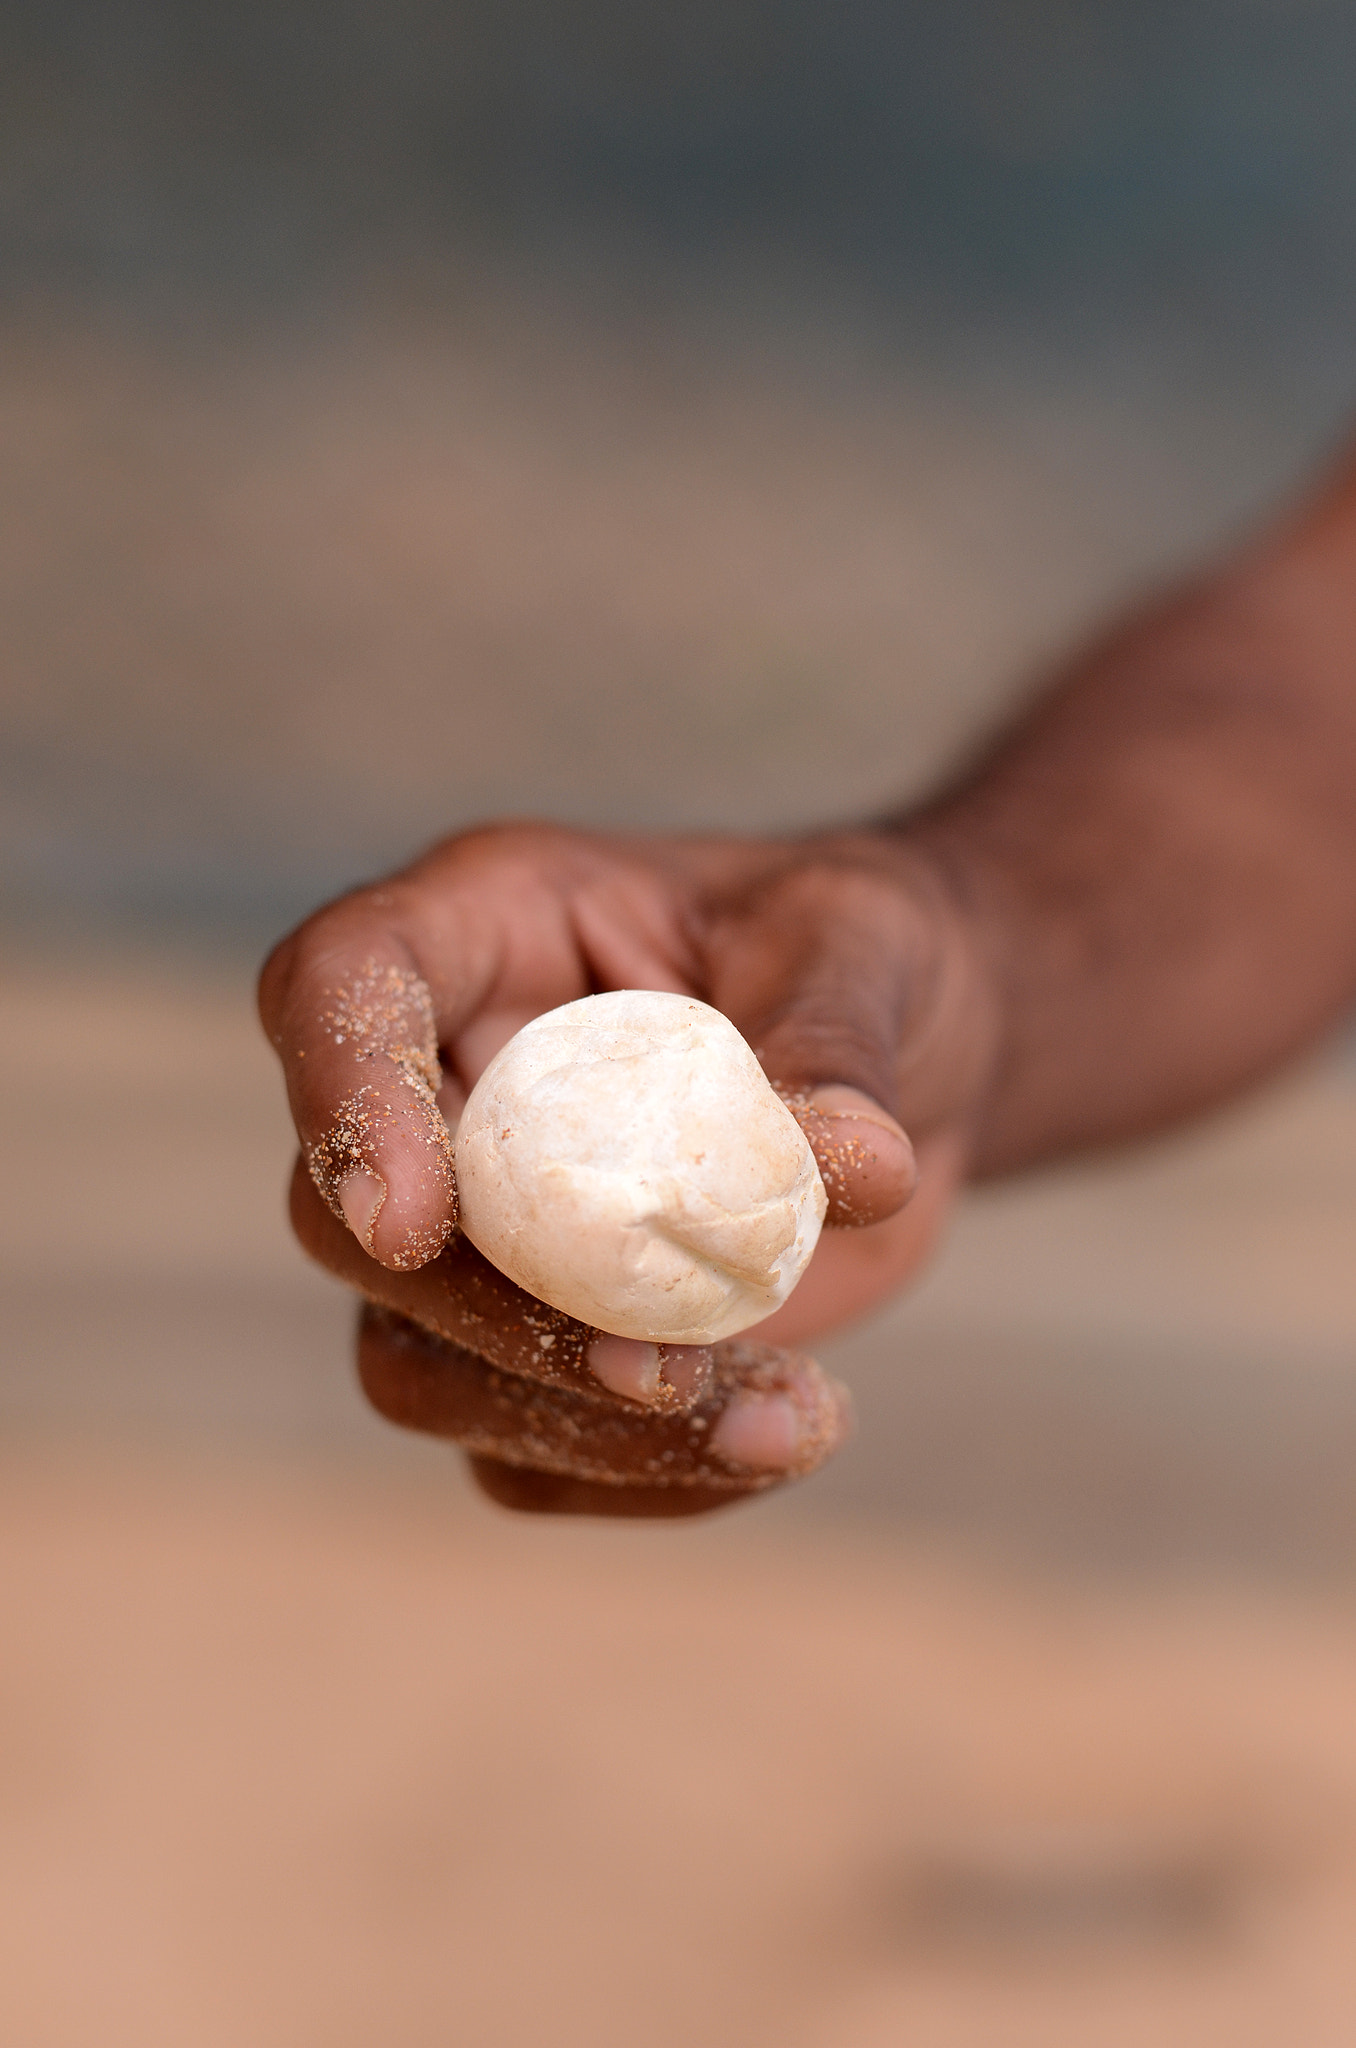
[(349, 1007), (459, 951)]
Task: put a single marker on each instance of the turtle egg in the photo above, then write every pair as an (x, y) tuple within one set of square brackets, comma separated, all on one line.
[(626, 1159)]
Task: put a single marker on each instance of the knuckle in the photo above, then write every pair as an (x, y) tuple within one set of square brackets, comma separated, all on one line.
[(518, 859), (843, 896), (819, 1032), (325, 939), (520, 840), (811, 1045)]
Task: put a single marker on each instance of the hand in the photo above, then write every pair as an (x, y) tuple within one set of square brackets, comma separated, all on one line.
[(844, 961)]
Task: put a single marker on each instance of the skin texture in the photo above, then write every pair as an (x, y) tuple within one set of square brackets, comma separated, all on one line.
[(1142, 898)]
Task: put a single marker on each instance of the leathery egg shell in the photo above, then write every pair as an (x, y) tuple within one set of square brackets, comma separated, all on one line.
[(626, 1159)]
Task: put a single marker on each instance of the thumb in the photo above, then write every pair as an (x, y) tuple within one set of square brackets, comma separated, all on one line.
[(825, 971), (864, 1155)]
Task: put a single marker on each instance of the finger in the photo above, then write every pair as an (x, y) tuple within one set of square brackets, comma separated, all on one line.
[(353, 1019), (460, 1296), (459, 952), (548, 1493), (865, 1158), (769, 1416), (822, 969)]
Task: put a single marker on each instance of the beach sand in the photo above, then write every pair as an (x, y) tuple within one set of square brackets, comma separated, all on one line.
[(295, 1759)]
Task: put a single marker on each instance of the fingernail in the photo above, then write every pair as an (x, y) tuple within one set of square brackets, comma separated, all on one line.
[(361, 1195), (626, 1366), (686, 1369), (763, 1430), (865, 1176)]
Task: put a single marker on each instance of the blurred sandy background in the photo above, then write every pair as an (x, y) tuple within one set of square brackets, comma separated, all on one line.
[(714, 417)]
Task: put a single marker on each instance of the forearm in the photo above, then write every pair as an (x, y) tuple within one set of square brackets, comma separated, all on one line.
[(1159, 862)]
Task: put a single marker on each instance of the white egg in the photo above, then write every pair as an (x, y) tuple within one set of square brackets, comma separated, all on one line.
[(626, 1159)]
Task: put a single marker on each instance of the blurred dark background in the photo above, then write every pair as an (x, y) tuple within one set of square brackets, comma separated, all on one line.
[(690, 416), (1007, 151)]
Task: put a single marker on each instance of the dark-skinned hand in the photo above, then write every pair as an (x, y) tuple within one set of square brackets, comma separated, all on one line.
[(845, 963)]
